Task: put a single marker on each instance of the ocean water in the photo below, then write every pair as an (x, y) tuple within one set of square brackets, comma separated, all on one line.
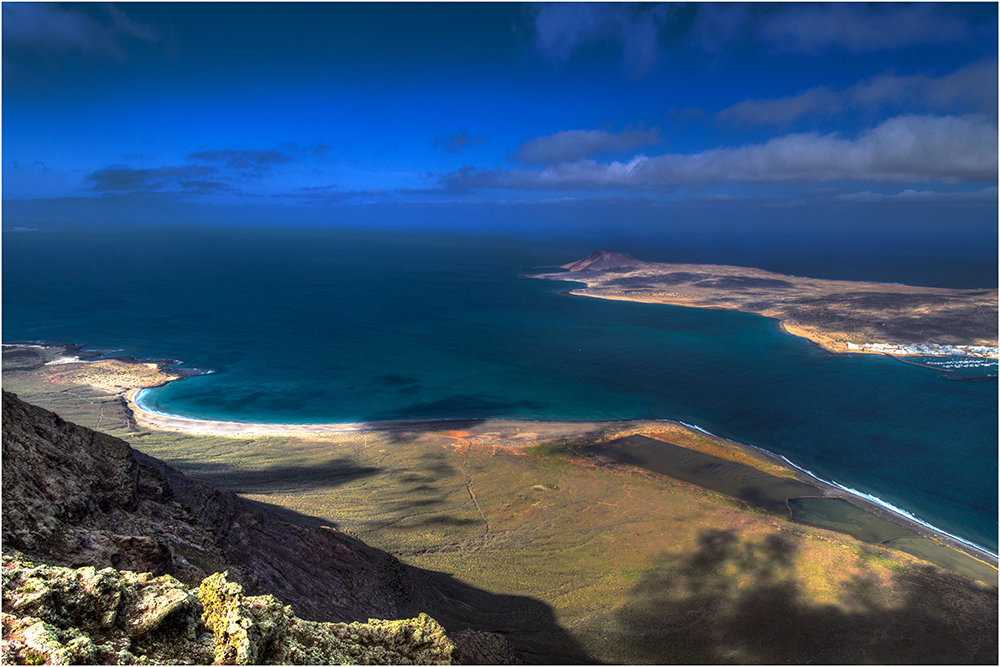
[(312, 326)]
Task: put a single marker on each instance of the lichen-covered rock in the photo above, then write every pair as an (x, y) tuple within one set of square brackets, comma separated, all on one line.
[(98, 600), (62, 615), (58, 615), (416, 641), (248, 630), (56, 646), (260, 630)]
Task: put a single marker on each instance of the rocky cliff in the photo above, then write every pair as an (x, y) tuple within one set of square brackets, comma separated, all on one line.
[(134, 555)]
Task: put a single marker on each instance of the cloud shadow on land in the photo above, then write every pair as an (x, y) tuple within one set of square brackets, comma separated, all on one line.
[(738, 601), (308, 475), (421, 490), (529, 624), (279, 513), (329, 575), (440, 521)]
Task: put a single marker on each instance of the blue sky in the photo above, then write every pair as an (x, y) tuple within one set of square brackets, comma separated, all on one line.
[(500, 115)]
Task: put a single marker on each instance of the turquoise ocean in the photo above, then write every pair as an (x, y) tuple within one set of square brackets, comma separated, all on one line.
[(305, 326)]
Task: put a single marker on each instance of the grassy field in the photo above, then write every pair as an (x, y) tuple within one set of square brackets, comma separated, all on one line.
[(635, 566)]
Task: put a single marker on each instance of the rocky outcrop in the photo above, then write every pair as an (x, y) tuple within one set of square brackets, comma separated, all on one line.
[(260, 630), (59, 615), (135, 538), (78, 497)]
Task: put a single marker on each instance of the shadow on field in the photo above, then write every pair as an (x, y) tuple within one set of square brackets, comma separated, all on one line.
[(737, 601), (436, 465), (279, 513), (529, 624), (308, 475), (423, 486), (438, 521)]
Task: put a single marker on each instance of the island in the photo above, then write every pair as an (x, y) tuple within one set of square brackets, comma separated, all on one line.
[(840, 316)]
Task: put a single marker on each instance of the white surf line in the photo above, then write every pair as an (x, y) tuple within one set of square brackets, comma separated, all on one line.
[(698, 428), (892, 508), (860, 494), (213, 427)]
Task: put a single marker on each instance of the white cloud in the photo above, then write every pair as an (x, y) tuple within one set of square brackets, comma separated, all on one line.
[(717, 25), (784, 110), (577, 144), (49, 27), (813, 28), (901, 149), (973, 87), (974, 84), (857, 27), (986, 194), (562, 28)]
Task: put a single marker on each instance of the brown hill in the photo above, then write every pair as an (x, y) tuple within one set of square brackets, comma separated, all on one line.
[(602, 260)]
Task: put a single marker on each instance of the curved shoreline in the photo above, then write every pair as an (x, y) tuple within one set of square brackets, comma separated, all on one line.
[(867, 502), (166, 422), (870, 503)]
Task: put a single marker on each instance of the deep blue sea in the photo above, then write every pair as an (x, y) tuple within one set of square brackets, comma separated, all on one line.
[(328, 326)]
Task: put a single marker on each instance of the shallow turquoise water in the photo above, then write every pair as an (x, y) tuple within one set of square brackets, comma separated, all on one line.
[(325, 327)]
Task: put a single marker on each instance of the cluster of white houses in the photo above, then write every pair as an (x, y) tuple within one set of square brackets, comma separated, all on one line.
[(929, 349)]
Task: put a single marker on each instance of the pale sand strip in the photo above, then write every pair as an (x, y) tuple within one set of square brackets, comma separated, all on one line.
[(514, 433), (204, 427)]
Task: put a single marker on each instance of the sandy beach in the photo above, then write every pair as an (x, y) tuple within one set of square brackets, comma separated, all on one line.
[(515, 434), (127, 378), (163, 422)]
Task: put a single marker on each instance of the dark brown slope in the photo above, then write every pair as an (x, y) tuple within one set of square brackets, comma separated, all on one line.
[(77, 497), (601, 260)]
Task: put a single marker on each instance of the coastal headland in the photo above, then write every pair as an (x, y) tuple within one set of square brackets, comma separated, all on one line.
[(273, 463), (840, 316)]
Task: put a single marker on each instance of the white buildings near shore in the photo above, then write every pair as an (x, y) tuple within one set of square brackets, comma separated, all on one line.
[(927, 349)]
